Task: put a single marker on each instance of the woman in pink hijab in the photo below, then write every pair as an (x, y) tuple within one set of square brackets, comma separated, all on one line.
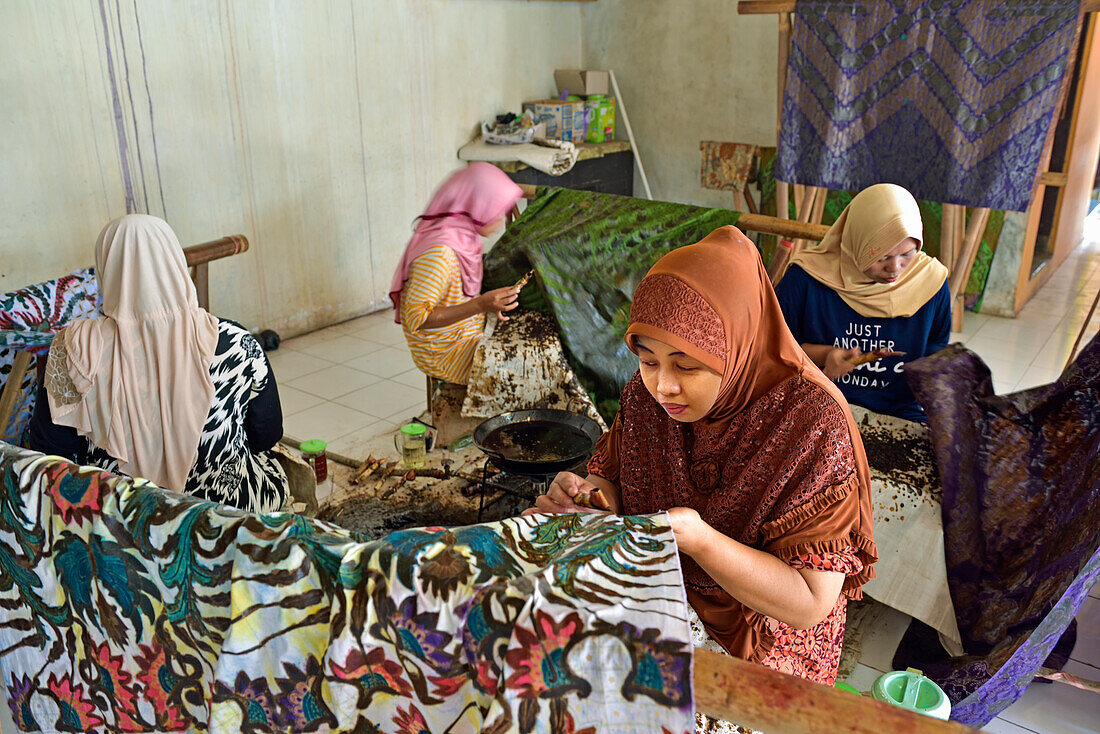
[(436, 290)]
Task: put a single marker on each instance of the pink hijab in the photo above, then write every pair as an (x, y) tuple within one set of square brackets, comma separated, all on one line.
[(142, 373), (470, 198)]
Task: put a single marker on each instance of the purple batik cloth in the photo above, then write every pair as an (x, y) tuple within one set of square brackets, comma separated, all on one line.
[(952, 100), (1021, 521)]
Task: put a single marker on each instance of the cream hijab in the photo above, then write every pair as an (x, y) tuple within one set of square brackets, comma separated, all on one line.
[(873, 223), (142, 373)]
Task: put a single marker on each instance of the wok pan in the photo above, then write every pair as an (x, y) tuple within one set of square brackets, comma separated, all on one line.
[(539, 468)]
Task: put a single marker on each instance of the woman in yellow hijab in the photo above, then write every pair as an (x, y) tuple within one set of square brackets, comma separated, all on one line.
[(866, 299)]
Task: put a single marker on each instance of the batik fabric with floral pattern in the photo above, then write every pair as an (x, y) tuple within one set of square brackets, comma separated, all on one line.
[(128, 608)]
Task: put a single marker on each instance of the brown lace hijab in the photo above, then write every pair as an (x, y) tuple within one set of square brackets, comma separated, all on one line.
[(777, 464)]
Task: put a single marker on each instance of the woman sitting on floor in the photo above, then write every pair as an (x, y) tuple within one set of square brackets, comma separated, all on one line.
[(754, 454), (436, 291), (865, 287), (158, 388)]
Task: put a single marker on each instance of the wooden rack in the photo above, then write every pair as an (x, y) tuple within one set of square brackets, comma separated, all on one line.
[(959, 240), (199, 258)]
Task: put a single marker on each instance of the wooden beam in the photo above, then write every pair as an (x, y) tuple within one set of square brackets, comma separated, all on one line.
[(964, 263), (972, 240), (751, 202), (818, 212), (740, 204), (762, 699), (215, 249), (200, 256), (804, 204), (200, 276), (763, 7), (1052, 178), (782, 202), (19, 366), (947, 235), (782, 189), (1081, 332)]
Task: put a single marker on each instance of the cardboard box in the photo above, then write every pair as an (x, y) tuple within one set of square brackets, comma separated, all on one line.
[(582, 82), (564, 120)]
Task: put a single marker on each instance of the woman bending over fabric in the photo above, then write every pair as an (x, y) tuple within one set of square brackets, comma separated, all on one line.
[(754, 454), (867, 286), (436, 291), (158, 388)]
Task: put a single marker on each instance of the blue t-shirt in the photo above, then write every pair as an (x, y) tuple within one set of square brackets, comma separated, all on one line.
[(816, 314)]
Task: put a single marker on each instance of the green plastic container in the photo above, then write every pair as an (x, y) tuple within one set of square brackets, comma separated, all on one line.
[(910, 689), (601, 125)]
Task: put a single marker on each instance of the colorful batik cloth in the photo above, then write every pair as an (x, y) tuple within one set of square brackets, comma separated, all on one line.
[(128, 608), (28, 319), (726, 166)]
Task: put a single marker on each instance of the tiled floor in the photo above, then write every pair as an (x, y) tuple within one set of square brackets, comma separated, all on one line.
[(348, 383)]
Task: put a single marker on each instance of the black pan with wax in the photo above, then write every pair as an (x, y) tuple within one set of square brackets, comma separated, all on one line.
[(537, 443)]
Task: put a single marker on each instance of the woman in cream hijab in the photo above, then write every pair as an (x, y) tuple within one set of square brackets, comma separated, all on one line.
[(158, 388), (867, 289)]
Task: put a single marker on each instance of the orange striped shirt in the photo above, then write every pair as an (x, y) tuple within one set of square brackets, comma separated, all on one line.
[(435, 280)]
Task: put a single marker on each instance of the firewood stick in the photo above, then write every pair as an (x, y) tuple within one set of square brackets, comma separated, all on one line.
[(400, 483), (430, 472), (367, 474), (366, 469), (390, 468), (363, 467)]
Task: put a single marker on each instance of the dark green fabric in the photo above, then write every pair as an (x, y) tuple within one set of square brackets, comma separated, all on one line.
[(590, 251)]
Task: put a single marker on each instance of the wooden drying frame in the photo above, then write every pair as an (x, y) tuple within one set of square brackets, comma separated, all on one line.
[(959, 243), (198, 259), (765, 700)]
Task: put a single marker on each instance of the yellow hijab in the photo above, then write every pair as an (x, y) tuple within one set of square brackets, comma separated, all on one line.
[(876, 220)]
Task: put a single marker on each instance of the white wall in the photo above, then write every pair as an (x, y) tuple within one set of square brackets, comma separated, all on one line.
[(688, 70), (316, 128)]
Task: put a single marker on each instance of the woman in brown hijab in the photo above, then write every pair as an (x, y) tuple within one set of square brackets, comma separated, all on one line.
[(752, 451)]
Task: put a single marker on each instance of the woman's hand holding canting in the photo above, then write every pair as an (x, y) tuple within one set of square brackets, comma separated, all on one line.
[(566, 494), (838, 362), (499, 300)]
